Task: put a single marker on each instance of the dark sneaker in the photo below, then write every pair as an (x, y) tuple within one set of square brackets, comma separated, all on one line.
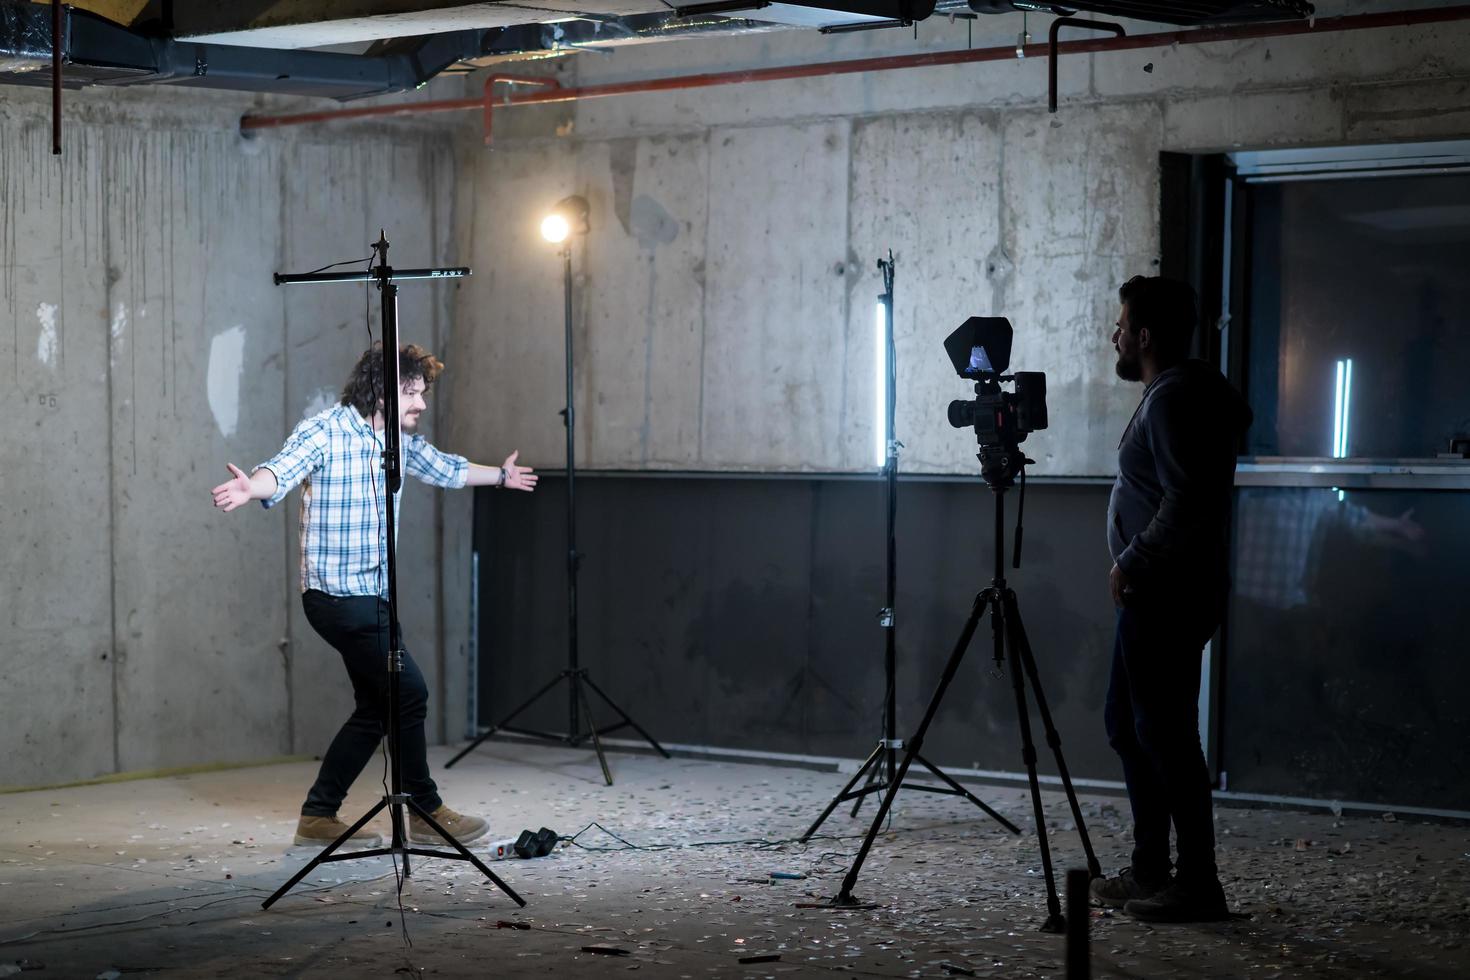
[(461, 827), (1183, 901), (1124, 887), (321, 831)]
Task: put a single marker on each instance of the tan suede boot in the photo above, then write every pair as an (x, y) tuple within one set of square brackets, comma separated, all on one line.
[(463, 828), (321, 831)]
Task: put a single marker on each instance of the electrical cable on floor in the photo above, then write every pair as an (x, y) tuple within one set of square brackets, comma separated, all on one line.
[(757, 843)]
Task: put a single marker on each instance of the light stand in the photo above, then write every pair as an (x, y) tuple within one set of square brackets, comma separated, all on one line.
[(396, 801), (999, 600), (881, 766), (570, 215)]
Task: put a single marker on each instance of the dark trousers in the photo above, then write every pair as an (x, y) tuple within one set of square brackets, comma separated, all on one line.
[(357, 627), (1152, 718)]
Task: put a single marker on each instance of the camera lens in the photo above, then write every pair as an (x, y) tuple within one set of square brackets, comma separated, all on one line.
[(962, 413)]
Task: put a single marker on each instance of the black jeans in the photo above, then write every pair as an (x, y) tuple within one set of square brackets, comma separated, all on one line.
[(357, 626), (1152, 718)]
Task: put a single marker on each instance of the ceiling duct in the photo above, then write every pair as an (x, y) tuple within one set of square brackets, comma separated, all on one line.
[(97, 51), (1186, 13), (818, 13)]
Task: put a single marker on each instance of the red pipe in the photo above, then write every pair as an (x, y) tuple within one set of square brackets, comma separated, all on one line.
[(1207, 35), (406, 109)]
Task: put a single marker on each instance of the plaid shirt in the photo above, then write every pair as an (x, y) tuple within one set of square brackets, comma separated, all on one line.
[(1278, 532), (339, 456)]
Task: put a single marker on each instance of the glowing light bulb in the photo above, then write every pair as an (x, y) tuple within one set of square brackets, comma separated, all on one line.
[(554, 228)]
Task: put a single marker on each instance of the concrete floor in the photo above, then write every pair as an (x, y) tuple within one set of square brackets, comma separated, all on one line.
[(164, 877)]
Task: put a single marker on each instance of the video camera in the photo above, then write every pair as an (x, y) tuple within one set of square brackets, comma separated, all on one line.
[(980, 351)]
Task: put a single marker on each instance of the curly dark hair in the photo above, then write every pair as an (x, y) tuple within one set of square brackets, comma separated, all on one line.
[(1166, 308), (364, 387)]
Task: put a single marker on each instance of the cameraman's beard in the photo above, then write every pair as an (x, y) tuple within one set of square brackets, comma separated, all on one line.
[(1129, 369)]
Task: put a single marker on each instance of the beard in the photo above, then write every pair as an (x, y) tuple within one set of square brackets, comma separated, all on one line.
[(410, 423), (1128, 368)]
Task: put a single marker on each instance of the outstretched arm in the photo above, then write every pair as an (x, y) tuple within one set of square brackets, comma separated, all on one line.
[(507, 474), (260, 485)]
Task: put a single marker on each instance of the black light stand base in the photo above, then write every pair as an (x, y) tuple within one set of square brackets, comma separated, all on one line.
[(878, 782), (575, 736), (397, 846)]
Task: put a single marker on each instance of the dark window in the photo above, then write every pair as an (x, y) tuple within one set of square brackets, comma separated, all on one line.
[(1375, 271), (1346, 667)]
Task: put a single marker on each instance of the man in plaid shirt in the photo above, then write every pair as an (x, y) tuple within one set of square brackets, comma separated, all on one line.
[(337, 455)]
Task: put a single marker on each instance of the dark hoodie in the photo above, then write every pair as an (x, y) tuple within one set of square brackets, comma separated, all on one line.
[(1169, 514)]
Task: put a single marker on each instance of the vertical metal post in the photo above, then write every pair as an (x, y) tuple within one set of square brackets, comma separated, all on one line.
[(58, 45), (890, 398), (1079, 953), (570, 417), (472, 709)]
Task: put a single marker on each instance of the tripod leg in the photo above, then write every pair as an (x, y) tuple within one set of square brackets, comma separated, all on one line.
[(962, 791), (311, 865), (465, 853), (1053, 738), (875, 774), (581, 696), (1054, 920), (505, 721), (866, 767), (988, 599), (626, 717)]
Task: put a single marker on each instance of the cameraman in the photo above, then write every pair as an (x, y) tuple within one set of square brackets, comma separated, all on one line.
[(1169, 536)]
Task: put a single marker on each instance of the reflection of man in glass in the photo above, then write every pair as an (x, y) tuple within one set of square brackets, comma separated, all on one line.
[(1169, 536), (1281, 529)]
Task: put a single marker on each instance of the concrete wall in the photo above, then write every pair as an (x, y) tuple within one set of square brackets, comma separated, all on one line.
[(725, 306), (143, 347), (724, 315)]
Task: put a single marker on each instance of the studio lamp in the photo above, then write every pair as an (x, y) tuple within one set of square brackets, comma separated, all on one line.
[(569, 216)]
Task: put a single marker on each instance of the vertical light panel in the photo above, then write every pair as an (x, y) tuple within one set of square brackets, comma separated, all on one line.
[(1341, 408), (880, 387), (1341, 412), (1337, 416)]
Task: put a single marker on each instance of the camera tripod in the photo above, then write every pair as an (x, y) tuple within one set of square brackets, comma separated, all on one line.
[(998, 466)]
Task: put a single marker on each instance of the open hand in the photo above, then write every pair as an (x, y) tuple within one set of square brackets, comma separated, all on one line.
[(228, 496), (518, 477)]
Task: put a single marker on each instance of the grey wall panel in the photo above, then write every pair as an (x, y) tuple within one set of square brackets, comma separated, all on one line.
[(196, 377), (55, 495), (743, 612), (146, 347)]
